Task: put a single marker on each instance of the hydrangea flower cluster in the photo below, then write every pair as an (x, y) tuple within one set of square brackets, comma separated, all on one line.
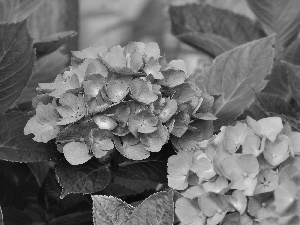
[(128, 98), (246, 174)]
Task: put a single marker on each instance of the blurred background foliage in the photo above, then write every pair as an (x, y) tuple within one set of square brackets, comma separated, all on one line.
[(103, 22)]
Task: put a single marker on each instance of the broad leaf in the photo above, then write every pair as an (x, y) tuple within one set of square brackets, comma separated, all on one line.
[(278, 16), (292, 121), (294, 79), (16, 216), (77, 218), (16, 62), (274, 105), (158, 209), (1, 217), (236, 76), (125, 188), (211, 29), (292, 53), (278, 83), (86, 178), (153, 170), (52, 43), (108, 210), (46, 70), (17, 10), (212, 44), (17, 147), (39, 170)]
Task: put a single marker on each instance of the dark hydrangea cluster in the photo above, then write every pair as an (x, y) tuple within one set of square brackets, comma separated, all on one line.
[(125, 98)]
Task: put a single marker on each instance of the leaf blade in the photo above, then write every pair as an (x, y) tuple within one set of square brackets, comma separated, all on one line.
[(153, 170), (17, 147), (224, 28), (89, 177), (278, 16), (158, 209), (17, 59), (236, 76)]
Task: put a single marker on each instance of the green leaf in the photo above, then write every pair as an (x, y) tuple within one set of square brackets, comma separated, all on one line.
[(274, 105), (157, 210), (17, 59), (1, 217), (236, 76), (211, 43), (211, 29), (39, 170), (292, 53), (153, 170), (16, 10), (278, 83), (126, 188), (292, 121), (278, 16), (108, 210), (77, 218), (46, 69), (52, 43), (294, 79), (86, 178), (15, 216), (17, 147)]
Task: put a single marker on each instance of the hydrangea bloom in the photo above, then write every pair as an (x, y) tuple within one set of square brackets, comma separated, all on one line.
[(237, 170), (128, 98)]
